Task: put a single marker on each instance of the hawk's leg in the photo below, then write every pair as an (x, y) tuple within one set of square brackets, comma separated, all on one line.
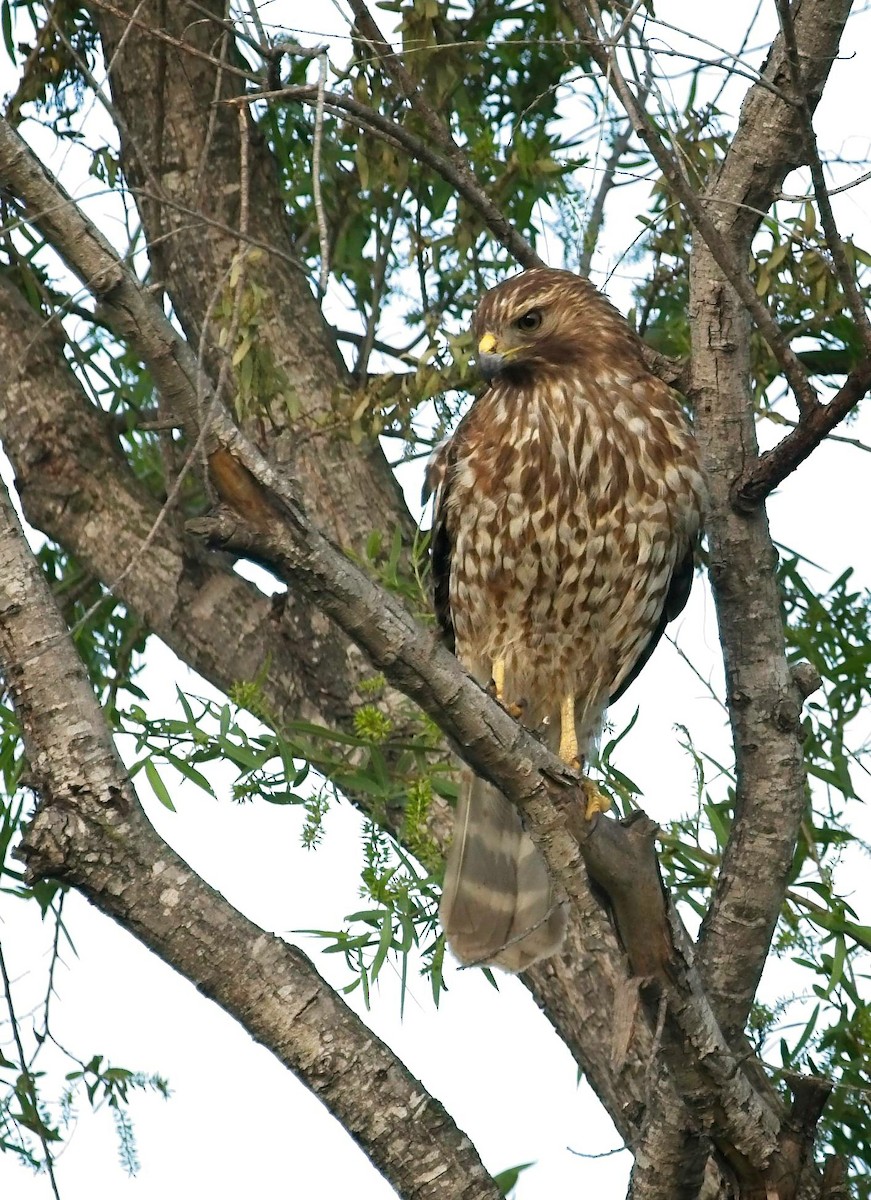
[(513, 710), (568, 734), (568, 752)]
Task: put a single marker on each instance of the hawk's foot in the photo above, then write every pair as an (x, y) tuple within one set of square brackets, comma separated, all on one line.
[(596, 801)]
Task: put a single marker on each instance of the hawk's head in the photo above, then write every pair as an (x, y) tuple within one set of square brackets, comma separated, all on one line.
[(543, 319)]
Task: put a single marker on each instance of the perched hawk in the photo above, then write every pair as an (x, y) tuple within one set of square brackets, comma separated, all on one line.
[(568, 505)]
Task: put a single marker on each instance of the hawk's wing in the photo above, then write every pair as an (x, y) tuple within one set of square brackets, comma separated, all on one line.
[(675, 600), (437, 483)]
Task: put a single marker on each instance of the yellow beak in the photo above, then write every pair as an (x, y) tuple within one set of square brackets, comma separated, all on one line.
[(487, 344)]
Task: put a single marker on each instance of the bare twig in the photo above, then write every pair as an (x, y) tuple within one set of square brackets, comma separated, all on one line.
[(441, 135), (379, 272), (597, 211), (317, 142), (722, 252), (27, 1077), (843, 271), (836, 191), (772, 467)]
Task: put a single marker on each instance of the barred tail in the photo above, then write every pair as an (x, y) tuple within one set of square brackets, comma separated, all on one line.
[(498, 905)]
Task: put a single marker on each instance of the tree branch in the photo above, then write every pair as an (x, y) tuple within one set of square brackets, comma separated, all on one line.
[(764, 704), (441, 135), (723, 253), (770, 469), (90, 832), (489, 739)]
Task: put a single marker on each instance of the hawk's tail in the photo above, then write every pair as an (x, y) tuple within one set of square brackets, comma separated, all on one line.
[(498, 905)]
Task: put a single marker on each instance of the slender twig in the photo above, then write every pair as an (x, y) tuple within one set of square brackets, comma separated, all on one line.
[(777, 418), (26, 1076), (843, 270), (836, 191), (597, 212), (772, 467), (254, 14), (724, 255), (440, 133), (233, 27), (55, 958), (462, 179), (323, 235), (212, 126), (379, 272), (357, 339)]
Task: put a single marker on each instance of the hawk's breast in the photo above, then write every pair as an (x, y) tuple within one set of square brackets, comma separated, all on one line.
[(568, 508)]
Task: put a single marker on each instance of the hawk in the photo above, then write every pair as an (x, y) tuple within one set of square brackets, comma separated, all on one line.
[(568, 507)]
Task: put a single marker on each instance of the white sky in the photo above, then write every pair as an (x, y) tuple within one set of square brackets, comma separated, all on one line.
[(237, 1122)]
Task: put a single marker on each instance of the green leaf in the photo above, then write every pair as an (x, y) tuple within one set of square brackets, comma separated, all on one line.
[(507, 1179), (157, 785)]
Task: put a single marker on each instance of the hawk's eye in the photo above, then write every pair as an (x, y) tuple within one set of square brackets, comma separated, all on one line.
[(529, 320)]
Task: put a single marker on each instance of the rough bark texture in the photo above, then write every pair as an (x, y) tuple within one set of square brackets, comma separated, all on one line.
[(182, 155), (764, 702), (90, 832)]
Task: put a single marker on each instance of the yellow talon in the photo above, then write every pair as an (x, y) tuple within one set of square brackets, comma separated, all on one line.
[(596, 801), (513, 710)]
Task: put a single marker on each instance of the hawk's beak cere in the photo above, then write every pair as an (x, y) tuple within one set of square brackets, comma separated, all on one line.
[(490, 362)]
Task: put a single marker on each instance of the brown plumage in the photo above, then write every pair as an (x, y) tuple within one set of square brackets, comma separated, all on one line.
[(568, 506)]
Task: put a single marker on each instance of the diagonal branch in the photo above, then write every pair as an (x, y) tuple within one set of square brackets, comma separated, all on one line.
[(723, 253), (770, 469), (440, 134), (90, 832), (846, 277), (597, 210)]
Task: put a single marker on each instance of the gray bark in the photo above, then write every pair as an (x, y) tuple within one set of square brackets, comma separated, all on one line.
[(90, 832)]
